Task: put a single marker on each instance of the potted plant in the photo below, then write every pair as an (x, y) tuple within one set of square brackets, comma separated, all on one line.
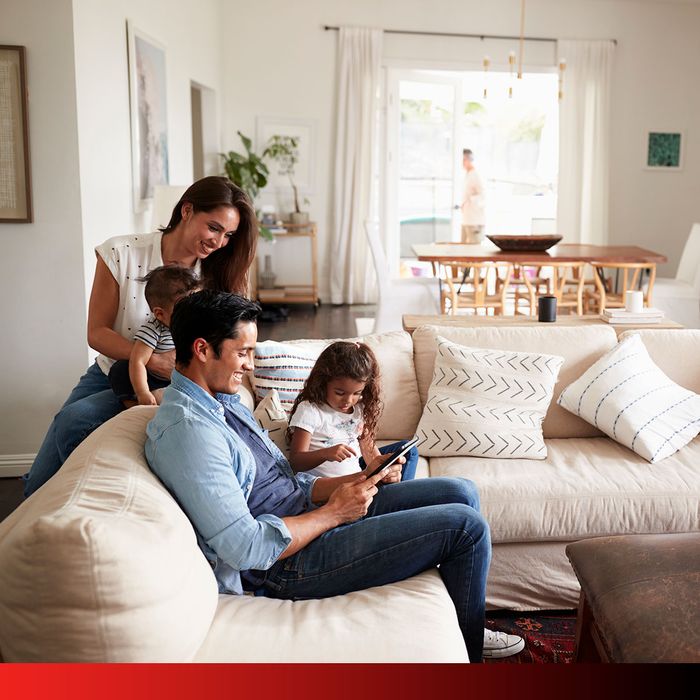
[(249, 172), (283, 150)]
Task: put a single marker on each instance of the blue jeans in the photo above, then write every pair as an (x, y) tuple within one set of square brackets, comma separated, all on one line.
[(91, 403), (411, 526), (409, 468)]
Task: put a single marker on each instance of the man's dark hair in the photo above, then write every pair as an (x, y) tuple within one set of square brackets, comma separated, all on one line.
[(467, 152), (211, 315), (168, 283)]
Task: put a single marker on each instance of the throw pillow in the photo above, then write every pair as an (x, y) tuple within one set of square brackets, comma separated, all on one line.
[(283, 367), (272, 417), (487, 403), (631, 400)]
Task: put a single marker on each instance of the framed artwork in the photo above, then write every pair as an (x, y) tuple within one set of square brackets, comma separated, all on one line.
[(15, 175), (664, 150), (149, 115), (301, 129)]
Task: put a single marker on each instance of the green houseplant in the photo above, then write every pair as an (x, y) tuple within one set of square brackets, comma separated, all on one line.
[(283, 150), (249, 172)]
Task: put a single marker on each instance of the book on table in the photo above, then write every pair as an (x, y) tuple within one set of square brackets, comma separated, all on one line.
[(622, 316)]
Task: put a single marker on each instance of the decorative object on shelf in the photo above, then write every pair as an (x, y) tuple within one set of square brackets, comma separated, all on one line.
[(267, 276), (664, 150), (284, 150), (268, 217), (149, 118), (249, 172), (526, 243), (15, 176)]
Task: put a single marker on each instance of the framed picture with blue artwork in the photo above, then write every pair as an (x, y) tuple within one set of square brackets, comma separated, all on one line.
[(664, 150), (149, 115)]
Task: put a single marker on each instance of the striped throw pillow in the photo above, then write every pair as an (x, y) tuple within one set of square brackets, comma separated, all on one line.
[(284, 367), (631, 400)]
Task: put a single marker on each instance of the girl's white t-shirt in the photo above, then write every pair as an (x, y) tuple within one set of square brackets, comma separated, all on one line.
[(329, 427), (129, 258)]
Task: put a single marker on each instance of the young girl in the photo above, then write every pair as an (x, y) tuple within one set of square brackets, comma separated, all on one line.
[(334, 419)]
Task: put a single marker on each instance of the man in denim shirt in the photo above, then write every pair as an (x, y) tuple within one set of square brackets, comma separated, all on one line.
[(265, 529)]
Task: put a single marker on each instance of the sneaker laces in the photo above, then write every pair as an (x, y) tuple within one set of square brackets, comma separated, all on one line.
[(491, 637)]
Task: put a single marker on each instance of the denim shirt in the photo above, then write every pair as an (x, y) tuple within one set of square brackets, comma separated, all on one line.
[(210, 471)]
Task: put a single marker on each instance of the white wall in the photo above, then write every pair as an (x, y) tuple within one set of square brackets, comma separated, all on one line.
[(280, 62), (81, 152), (193, 53), (41, 287)]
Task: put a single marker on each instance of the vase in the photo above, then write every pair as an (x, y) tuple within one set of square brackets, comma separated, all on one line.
[(267, 276), (299, 217)]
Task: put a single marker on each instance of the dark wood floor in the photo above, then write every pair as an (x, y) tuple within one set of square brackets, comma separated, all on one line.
[(326, 321)]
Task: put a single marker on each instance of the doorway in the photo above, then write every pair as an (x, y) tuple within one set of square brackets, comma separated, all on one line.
[(513, 133)]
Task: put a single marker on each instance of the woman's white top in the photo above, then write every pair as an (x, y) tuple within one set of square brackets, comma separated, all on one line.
[(329, 427), (129, 258)]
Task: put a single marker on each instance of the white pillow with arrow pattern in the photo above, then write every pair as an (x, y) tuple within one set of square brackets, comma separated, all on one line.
[(487, 403)]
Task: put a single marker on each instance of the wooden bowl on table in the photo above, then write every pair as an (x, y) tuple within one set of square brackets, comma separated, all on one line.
[(525, 243)]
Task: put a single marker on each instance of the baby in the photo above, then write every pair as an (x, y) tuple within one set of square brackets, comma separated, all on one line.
[(130, 380)]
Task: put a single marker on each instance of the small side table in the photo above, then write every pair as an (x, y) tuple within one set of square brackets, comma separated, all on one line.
[(639, 598)]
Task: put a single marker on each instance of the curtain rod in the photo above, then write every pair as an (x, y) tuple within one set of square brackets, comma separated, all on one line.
[(328, 28)]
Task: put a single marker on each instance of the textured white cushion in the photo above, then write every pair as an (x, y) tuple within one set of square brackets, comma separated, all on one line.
[(487, 403), (273, 418), (629, 398), (587, 487), (580, 348), (412, 621), (100, 564), (285, 367)]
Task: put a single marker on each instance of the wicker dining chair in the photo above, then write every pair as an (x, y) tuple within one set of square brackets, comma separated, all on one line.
[(566, 283), (604, 297), (477, 285)]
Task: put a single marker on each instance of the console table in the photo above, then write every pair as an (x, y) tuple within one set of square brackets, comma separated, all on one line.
[(411, 322)]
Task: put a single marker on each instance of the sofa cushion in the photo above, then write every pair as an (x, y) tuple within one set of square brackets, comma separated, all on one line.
[(580, 348), (406, 622), (487, 403), (676, 352), (273, 418), (631, 400), (586, 487), (394, 353), (100, 564)]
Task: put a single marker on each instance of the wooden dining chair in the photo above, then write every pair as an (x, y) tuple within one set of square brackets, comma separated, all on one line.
[(565, 282), (607, 297), (484, 286)]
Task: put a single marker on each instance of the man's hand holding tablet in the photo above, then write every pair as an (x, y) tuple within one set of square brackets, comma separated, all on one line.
[(390, 464)]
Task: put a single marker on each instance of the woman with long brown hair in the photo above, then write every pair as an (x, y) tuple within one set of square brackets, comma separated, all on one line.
[(333, 422), (213, 230)]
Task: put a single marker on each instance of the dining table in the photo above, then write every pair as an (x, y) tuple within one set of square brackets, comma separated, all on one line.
[(562, 252)]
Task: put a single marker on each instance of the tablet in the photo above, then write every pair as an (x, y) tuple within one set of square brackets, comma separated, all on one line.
[(393, 456)]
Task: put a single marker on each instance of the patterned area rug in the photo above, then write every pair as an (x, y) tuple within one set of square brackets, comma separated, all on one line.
[(549, 635)]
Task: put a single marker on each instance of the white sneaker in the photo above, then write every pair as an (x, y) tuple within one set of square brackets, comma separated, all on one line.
[(498, 645)]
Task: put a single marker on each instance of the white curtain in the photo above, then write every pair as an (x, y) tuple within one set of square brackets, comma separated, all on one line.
[(353, 279), (584, 141)]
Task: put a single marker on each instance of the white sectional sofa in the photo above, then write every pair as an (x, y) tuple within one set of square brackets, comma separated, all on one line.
[(102, 565)]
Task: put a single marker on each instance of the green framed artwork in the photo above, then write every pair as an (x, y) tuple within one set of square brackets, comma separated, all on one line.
[(664, 150)]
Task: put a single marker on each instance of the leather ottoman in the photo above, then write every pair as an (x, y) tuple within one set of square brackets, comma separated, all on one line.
[(640, 598)]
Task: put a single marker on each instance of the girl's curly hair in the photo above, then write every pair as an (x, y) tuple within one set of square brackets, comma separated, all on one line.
[(345, 359)]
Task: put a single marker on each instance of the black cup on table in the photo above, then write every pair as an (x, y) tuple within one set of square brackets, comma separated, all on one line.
[(547, 309)]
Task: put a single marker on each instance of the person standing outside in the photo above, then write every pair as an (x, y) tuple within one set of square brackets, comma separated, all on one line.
[(473, 201)]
